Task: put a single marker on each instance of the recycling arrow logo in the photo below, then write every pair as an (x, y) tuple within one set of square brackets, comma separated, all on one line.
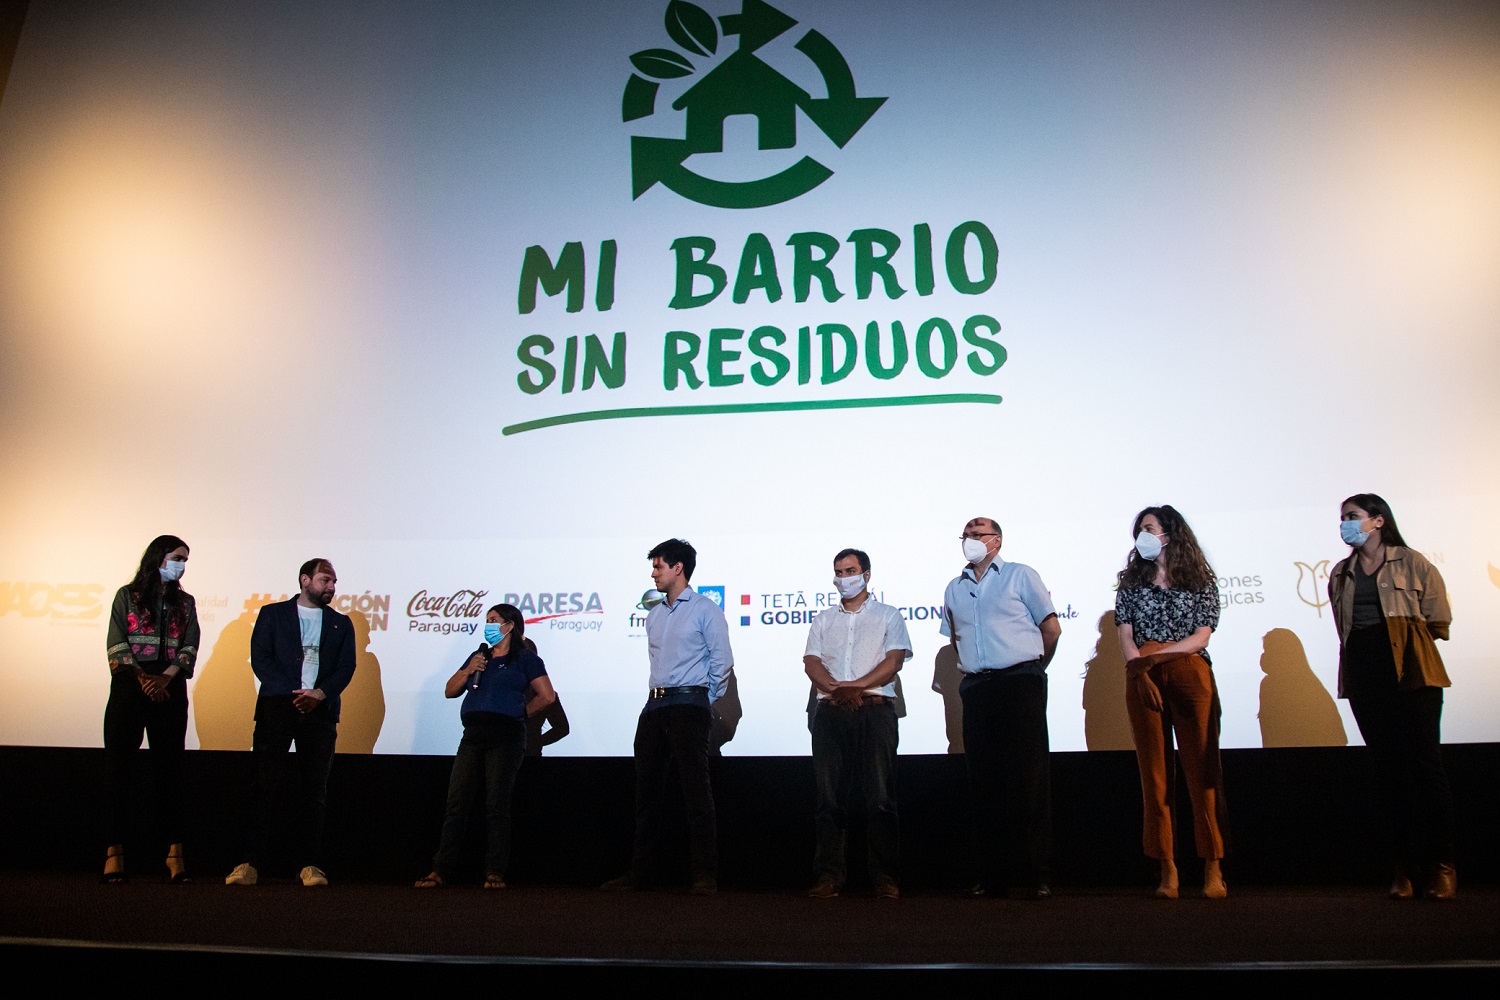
[(740, 84)]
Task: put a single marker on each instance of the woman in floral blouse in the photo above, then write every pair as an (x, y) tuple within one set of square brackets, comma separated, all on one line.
[(1166, 608), (152, 646)]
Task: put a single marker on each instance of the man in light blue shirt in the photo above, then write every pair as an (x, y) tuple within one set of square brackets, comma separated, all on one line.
[(688, 641), (999, 615)]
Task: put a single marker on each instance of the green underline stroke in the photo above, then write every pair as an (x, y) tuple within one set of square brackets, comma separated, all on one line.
[(806, 404)]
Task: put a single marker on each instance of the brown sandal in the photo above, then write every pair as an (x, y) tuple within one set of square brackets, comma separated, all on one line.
[(114, 865), (432, 881), (493, 880), (177, 870)]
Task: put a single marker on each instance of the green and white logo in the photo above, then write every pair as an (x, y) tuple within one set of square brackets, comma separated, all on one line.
[(740, 84)]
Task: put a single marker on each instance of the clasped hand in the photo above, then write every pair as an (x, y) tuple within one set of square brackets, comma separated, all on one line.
[(154, 685), (847, 696), (1137, 672)]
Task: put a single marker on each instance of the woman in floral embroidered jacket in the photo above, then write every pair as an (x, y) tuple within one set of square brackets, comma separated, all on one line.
[(152, 646)]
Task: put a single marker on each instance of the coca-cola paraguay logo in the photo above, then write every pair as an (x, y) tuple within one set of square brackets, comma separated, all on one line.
[(463, 604)]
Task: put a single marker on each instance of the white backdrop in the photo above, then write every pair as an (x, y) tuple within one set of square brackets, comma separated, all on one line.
[(259, 275)]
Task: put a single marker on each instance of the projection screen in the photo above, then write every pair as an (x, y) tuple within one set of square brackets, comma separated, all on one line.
[(482, 300)]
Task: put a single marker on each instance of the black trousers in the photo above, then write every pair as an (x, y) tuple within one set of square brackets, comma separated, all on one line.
[(278, 725), (1403, 731), (674, 734), (128, 717), (854, 772), (1010, 776), (488, 759)]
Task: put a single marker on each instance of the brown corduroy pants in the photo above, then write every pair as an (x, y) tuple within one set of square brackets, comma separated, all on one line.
[(1190, 708)]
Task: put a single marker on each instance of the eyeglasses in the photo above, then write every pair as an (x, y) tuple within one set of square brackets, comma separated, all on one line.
[(978, 537)]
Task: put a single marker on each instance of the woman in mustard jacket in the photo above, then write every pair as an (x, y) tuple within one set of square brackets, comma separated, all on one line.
[(1389, 604)]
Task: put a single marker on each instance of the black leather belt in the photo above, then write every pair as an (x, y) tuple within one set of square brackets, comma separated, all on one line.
[(688, 689), (998, 671)]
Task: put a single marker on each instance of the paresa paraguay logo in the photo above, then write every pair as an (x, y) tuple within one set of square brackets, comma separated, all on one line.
[(748, 323), (737, 82)]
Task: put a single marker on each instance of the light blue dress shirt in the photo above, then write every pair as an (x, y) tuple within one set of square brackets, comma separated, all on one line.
[(689, 644), (996, 619)]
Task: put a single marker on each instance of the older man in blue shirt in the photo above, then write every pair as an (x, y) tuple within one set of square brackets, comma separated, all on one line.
[(688, 641), (999, 615)]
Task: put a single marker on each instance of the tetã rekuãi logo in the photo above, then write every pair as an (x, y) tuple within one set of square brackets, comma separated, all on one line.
[(740, 84)]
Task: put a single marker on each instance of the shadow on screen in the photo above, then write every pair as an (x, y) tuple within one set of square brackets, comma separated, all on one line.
[(727, 713), (545, 728), (362, 711), (224, 689), (1296, 710), (945, 680), (224, 692), (1106, 724)]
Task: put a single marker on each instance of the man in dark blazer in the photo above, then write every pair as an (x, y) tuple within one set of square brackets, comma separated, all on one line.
[(302, 652)]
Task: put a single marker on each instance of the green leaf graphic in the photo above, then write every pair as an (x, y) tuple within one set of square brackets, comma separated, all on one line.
[(692, 27), (664, 64)]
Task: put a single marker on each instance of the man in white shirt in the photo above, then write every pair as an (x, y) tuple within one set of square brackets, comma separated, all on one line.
[(853, 653)]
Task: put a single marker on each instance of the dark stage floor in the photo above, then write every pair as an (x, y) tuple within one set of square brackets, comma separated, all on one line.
[(65, 919)]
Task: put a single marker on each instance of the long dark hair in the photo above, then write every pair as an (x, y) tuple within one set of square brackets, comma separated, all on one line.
[(1375, 505), (1187, 568), (147, 587), (518, 641)]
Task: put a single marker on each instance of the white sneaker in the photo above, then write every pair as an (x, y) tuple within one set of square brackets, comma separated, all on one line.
[(243, 874), (313, 875)]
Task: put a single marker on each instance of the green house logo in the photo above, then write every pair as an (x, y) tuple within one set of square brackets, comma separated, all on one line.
[(741, 84)]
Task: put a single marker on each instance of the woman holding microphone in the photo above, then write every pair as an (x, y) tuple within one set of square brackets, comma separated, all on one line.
[(501, 686)]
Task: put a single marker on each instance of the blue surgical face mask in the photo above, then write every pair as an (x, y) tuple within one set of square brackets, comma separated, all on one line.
[(171, 570), (492, 633), (1148, 545), (1349, 531)]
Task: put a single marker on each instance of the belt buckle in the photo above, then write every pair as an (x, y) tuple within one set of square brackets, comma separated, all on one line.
[(658, 692)]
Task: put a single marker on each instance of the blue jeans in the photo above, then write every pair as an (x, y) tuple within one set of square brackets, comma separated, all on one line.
[(489, 756), (854, 768)]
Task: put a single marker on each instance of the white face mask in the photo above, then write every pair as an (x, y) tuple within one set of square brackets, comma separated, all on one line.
[(1148, 545), (975, 551), (849, 586), (172, 571)]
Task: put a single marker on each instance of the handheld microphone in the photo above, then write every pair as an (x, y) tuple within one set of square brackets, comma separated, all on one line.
[(485, 649)]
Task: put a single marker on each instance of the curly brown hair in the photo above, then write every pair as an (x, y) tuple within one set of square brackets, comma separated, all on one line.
[(1187, 568)]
